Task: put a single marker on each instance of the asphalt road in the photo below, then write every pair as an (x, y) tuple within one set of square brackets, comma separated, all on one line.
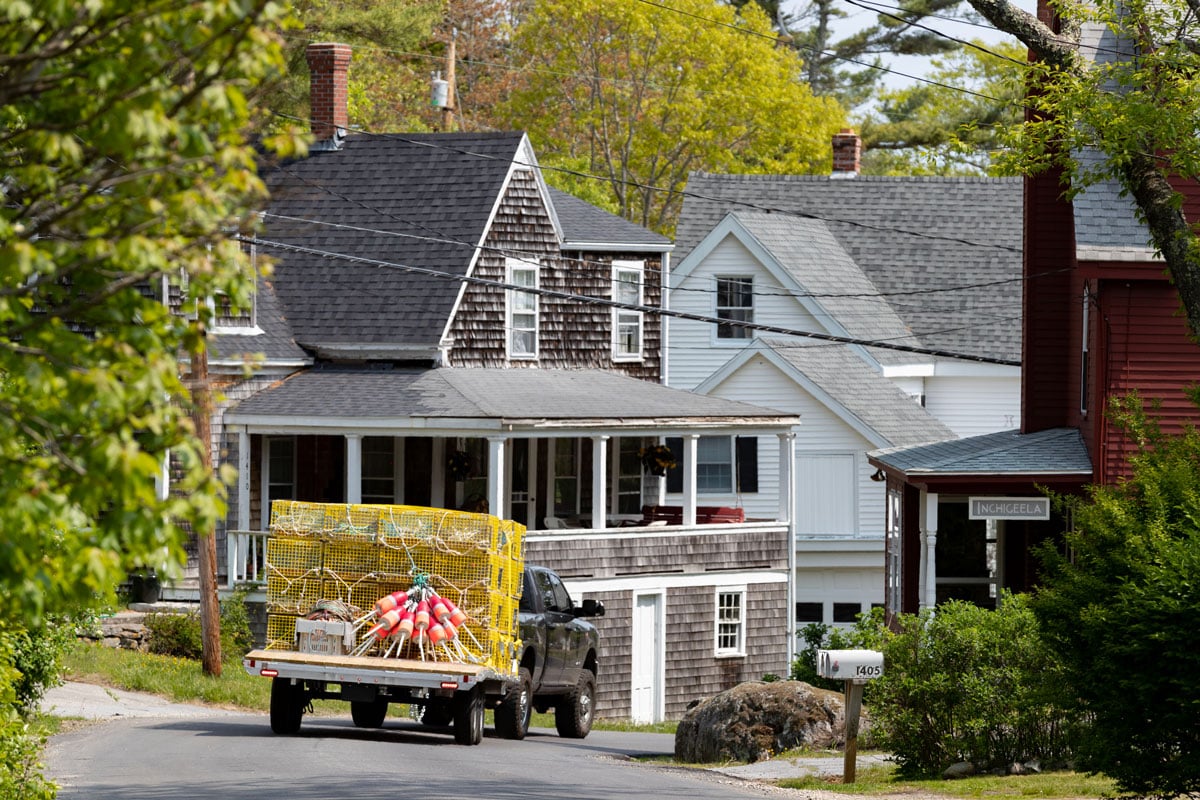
[(148, 749)]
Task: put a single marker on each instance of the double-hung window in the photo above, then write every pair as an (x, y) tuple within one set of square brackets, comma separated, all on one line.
[(735, 303), (731, 622), (627, 323), (522, 310)]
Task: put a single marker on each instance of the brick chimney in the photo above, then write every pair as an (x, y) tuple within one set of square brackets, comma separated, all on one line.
[(847, 153), (327, 66)]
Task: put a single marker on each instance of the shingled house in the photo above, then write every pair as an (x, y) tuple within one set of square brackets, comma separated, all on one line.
[(1100, 319), (904, 295), (441, 328)]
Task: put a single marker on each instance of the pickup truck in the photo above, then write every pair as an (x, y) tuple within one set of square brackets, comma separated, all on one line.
[(556, 668)]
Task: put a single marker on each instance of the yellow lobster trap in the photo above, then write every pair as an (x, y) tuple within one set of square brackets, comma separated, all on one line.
[(355, 555)]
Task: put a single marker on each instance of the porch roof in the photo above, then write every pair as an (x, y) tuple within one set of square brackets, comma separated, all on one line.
[(491, 400), (1052, 452)]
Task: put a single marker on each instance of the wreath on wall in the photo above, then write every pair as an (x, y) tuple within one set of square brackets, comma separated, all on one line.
[(460, 465), (657, 459)]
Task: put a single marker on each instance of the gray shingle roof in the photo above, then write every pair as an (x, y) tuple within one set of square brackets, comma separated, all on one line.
[(915, 238), (1056, 451), (492, 394), (863, 392), (585, 227), (274, 343), (420, 200), (809, 251)]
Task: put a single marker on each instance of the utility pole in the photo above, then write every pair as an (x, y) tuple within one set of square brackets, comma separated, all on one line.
[(210, 609), (448, 109)]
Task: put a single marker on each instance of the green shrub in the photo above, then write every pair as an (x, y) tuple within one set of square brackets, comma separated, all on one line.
[(868, 633), (37, 655), (969, 684), (20, 747), (181, 635)]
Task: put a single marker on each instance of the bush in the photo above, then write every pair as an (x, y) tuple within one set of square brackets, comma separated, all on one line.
[(868, 633), (969, 684), (181, 635), (38, 656), (20, 747)]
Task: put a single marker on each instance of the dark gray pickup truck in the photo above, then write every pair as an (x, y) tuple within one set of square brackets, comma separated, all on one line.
[(558, 659)]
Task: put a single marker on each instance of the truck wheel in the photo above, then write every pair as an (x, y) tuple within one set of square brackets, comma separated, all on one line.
[(368, 713), (512, 715), (573, 715), (287, 705), (468, 717)]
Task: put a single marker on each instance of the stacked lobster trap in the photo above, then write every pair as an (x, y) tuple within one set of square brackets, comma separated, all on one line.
[(393, 581)]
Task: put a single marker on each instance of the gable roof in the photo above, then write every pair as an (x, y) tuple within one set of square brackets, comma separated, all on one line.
[(945, 252), (807, 260), (490, 399), (1055, 451), (422, 200), (871, 404), (587, 227)]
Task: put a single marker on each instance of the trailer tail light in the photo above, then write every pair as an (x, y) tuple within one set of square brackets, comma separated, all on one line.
[(452, 685), (267, 672)]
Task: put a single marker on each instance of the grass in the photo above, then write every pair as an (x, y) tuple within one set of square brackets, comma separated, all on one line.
[(183, 680), (882, 780)]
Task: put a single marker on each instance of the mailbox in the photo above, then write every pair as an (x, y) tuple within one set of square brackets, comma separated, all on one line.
[(849, 665)]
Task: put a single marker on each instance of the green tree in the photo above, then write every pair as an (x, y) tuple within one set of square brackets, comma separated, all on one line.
[(644, 94), (394, 54), (1121, 612), (125, 168), (936, 128), (1138, 113)]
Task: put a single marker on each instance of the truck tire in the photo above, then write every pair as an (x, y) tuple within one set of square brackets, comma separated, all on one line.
[(287, 706), (368, 713), (468, 717), (573, 715), (514, 711)]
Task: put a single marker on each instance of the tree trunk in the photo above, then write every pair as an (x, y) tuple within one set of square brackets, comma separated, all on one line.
[(210, 609)]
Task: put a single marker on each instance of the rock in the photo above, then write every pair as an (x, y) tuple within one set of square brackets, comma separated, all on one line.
[(1032, 766), (755, 720), (963, 769)]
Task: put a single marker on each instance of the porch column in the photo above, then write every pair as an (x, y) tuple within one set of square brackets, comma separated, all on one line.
[(787, 505), (437, 473), (929, 523), (243, 481), (353, 468), (691, 448), (497, 491), (599, 482)]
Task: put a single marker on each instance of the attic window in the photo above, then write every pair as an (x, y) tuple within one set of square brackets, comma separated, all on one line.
[(735, 302), (627, 324), (522, 309)]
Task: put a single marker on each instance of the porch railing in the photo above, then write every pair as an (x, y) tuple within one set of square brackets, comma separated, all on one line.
[(247, 558)]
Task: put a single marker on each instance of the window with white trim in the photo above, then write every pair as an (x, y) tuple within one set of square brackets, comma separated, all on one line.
[(714, 465), (731, 622), (627, 324), (735, 302), (521, 310)]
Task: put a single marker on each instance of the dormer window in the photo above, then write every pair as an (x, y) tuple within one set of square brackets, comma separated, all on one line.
[(627, 323), (521, 310)]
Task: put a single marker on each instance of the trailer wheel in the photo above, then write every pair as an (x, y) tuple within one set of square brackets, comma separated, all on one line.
[(512, 715), (287, 705), (368, 713), (468, 717), (573, 715)]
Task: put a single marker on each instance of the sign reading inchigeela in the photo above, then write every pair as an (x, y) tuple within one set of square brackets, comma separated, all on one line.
[(1010, 508)]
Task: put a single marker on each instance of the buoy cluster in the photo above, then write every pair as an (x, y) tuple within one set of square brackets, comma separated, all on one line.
[(418, 616)]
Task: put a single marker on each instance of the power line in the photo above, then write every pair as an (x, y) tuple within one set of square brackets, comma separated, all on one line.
[(616, 304)]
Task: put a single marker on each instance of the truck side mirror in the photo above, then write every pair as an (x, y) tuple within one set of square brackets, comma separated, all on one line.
[(590, 608)]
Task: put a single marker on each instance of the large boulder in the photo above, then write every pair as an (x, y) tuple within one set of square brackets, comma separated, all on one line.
[(756, 720)]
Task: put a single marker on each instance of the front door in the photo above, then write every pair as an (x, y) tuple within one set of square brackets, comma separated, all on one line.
[(646, 695)]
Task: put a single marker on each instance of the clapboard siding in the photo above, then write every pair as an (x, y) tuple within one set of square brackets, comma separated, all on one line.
[(971, 406)]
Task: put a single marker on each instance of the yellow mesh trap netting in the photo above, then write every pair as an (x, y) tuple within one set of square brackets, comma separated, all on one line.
[(357, 554)]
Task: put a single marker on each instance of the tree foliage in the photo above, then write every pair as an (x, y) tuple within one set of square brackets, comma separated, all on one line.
[(1137, 114), (389, 77), (644, 94), (121, 127), (1121, 613), (952, 125)]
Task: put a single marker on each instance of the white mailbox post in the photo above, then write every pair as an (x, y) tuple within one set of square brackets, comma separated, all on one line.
[(855, 667)]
